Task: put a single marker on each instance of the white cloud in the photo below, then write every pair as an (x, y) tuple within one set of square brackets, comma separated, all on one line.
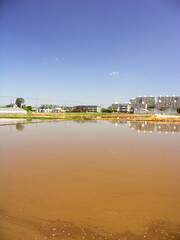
[(113, 73)]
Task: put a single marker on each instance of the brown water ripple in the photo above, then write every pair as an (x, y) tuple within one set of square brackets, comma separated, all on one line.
[(58, 229)]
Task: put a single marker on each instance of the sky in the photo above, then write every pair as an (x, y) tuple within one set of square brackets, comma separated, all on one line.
[(88, 51)]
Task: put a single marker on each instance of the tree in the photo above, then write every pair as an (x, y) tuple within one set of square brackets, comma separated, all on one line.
[(19, 126), (19, 102), (178, 109), (30, 108), (104, 110), (151, 106)]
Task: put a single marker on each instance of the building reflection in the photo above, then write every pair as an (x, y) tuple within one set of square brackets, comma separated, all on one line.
[(146, 126), (157, 127), (173, 128), (142, 126)]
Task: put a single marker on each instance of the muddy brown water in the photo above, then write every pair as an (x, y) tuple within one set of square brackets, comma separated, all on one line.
[(89, 180)]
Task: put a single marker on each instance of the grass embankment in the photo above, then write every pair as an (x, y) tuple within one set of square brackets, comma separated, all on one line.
[(27, 117), (75, 116), (92, 116), (165, 119)]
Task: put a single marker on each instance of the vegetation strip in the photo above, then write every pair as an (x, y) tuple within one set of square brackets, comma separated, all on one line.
[(97, 117)]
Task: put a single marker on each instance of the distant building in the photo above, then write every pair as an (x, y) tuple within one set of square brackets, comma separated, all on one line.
[(142, 102), (132, 102), (57, 110), (90, 108), (49, 108), (141, 105), (121, 107), (12, 105), (168, 102), (44, 110), (114, 107), (141, 111), (125, 108)]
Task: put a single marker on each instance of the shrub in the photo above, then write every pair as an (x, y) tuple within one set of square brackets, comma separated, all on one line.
[(151, 106)]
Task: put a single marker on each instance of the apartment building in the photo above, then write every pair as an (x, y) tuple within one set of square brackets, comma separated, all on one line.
[(168, 102), (87, 108), (142, 102)]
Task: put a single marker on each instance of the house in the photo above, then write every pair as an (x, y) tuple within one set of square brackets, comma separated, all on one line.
[(125, 108), (12, 105), (57, 110)]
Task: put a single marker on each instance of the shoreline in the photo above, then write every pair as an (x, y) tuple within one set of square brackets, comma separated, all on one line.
[(93, 117)]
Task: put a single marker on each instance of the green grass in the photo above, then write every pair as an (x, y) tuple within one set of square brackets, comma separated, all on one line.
[(88, 113)]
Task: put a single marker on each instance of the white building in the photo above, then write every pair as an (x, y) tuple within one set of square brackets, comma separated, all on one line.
[(125, 108)]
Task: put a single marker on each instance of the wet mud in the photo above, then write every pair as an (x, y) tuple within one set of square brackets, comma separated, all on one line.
[(58, 229)]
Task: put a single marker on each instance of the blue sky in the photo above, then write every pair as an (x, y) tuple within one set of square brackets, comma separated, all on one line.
[(88, 51)]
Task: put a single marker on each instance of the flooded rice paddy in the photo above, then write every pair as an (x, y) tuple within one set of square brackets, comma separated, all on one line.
[(90, 180)]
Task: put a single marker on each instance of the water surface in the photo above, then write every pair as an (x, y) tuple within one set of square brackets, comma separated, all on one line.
[(90, 180)]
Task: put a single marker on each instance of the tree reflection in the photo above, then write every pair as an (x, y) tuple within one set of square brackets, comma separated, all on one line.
[(19, 126)]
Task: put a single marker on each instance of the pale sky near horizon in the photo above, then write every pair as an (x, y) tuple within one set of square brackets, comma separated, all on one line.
[(88, 51)]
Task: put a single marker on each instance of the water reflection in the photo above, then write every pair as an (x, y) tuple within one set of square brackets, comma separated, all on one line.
[(142, 126), (92, 182), (20, 126), (152, 127)]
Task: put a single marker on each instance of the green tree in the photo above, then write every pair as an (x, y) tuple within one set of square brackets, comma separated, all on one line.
[(151, 106), (104, 110), (19, 102), (30, 108), (19, 126)]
